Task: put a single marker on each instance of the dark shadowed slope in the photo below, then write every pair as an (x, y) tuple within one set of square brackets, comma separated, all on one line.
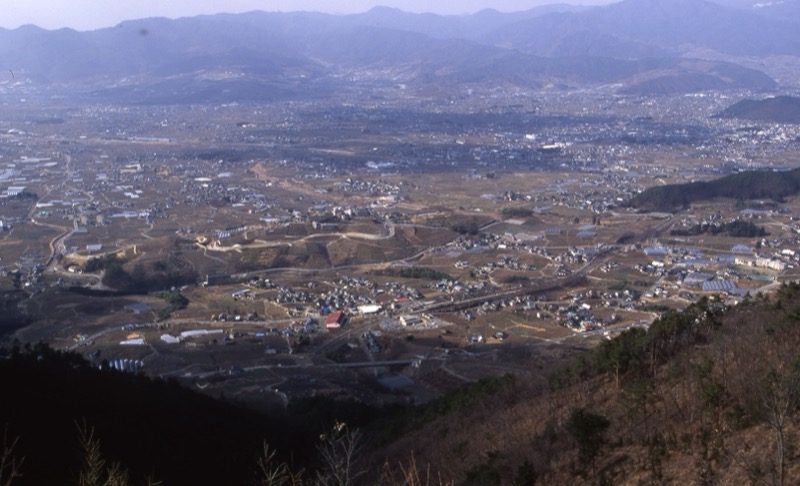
[(778, 109)]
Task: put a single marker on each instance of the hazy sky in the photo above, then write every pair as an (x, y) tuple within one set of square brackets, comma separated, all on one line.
[(94, 14)]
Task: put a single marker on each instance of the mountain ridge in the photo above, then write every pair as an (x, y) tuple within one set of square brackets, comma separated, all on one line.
[(295, 50)]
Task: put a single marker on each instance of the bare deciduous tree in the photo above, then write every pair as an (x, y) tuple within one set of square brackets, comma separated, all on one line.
[(779, 401), (339, 451), (95, 472), (762, 360), (9, 463), (274, 473)]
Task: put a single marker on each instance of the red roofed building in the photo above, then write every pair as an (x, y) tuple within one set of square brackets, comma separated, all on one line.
[(335, 320)]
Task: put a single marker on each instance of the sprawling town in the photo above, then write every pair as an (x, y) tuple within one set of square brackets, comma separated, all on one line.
[(389, 248)]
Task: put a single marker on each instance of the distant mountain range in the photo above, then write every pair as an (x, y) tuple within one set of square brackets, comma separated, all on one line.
[(785, 10), (644, 28), (634, 46)]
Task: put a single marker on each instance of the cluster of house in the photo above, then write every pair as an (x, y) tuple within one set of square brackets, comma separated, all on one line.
[(723, 273)]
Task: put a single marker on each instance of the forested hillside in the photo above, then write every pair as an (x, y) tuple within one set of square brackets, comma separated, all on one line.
[(706, 396), (745, 185), (778, 109)]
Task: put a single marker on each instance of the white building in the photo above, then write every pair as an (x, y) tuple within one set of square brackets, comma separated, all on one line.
[(13, 191)]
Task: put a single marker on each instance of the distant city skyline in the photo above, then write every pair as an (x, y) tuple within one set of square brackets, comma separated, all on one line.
[(96, 14)]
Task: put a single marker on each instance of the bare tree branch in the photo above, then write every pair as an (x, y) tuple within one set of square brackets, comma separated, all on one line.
[(276, 474), (339, 451), (9, 464)]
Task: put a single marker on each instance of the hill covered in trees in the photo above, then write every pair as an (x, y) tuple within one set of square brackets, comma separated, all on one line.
[(777, 109), (706, 396), (742, 186)]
